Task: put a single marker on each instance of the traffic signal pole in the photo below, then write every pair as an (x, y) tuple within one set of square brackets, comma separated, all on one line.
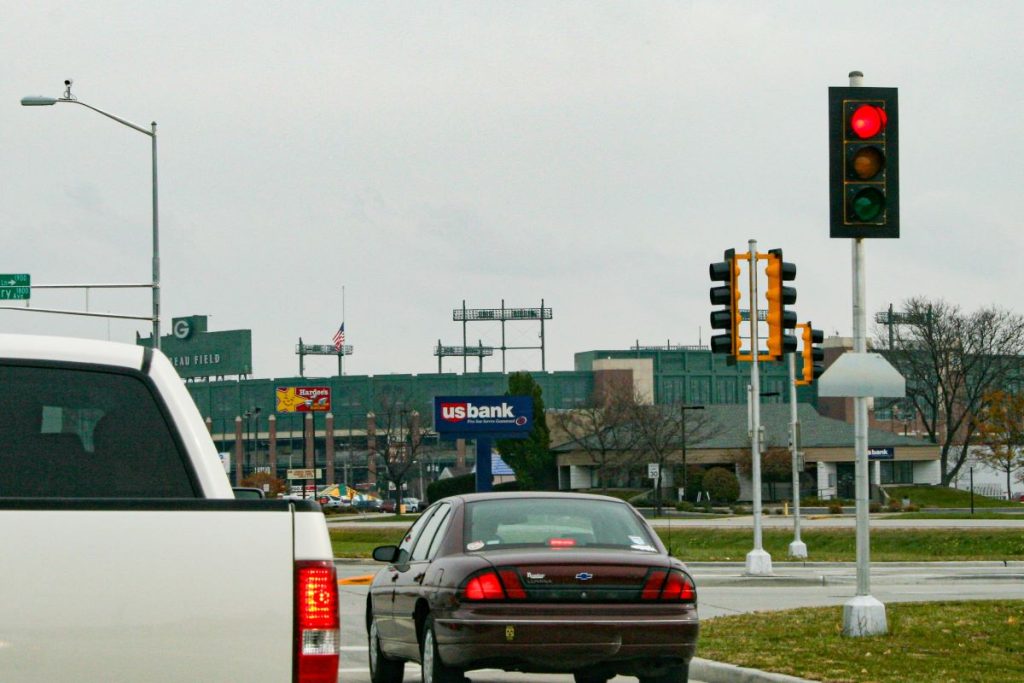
[(797, 549), (759, 562), (863, 615)]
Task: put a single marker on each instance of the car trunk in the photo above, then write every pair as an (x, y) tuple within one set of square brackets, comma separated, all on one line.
[(579, 575)]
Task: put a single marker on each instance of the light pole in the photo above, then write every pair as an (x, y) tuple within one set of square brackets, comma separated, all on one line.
[(682, 413), (42, 101)]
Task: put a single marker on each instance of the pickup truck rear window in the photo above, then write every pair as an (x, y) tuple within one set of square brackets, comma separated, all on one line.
[(72, 432)]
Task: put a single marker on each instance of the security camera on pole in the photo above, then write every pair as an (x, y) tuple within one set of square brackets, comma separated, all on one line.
[(864, 193)]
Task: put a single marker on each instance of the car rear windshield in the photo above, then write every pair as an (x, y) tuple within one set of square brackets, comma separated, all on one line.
[(554, 522), (69, 432)]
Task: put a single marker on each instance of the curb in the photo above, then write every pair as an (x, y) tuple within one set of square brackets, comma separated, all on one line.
[(711, 671)]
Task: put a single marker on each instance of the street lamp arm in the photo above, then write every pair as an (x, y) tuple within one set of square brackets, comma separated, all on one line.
[(150, 133)]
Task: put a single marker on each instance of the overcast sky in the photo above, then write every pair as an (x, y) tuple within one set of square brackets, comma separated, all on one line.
[(596, 155)]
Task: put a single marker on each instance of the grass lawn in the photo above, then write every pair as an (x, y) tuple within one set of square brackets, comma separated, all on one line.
[(823, 545), (945, 497), (840, 545), (927, 643)]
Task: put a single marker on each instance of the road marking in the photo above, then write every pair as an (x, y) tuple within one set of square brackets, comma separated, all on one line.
[(364, 580)]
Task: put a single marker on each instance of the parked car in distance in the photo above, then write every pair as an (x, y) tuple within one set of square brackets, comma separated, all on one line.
[(367, 504), (538, 582), (388, 505), (411, 504), (334, 503)]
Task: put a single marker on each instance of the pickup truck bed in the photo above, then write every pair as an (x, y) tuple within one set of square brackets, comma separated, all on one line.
[(101, 583)]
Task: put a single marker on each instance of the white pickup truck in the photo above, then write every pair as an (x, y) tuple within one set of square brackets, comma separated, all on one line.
[(124, 555)]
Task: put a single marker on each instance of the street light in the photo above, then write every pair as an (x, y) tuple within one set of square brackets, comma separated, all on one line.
[(42, 101), (682, 413)]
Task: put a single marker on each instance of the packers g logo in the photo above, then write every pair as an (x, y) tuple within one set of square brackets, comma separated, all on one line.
[(182, 328)]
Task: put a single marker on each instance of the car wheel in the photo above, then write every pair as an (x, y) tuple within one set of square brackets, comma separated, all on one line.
[(434, 670), (675, 674), (588, 677), (383, 669)]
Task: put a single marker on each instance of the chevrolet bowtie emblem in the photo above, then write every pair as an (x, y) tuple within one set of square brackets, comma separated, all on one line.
[(584, 576)]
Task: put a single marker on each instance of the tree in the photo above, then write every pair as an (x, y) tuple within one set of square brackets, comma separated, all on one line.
[(660, 436), (530, 458), (600, 428), (722, 485), (776, 466), (398, 423), (952, 361), (275, 487), (1001, 430)]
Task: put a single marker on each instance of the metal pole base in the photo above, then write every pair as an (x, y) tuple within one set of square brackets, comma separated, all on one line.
[(759, 563), (863, 615), (798, 550)]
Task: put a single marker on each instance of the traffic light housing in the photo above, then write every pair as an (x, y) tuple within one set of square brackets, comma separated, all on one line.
[(727, 295), (779, 296), (813, 356), (864, 171)]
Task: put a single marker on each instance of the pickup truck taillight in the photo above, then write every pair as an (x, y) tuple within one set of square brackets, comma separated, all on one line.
[(317, 635)]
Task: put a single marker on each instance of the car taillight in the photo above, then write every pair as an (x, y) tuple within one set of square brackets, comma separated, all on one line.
[(673, 586), (503, 584), (317, 635)]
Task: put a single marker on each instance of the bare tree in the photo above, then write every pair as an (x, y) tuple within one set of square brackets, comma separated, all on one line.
[(662, 433), (398, 423), (952, 361), (600, 428), (1001, 430)]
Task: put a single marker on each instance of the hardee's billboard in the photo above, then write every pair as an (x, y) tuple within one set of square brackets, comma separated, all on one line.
[(506, 417), (303, 399)]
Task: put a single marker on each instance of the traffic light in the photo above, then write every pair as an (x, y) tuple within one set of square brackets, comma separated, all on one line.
[(728, 295), (780, 296), (864, 171), (812, 355)]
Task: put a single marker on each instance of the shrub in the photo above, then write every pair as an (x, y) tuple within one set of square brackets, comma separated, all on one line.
[(722, 485), (684, 506), (835, 508), (874, 507), (453, 486), (895, 505)]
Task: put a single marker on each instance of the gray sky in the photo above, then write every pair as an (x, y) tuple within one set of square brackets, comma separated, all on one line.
[(597, 155)]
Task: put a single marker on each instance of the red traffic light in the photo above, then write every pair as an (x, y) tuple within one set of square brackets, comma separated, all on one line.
[(868, 121)]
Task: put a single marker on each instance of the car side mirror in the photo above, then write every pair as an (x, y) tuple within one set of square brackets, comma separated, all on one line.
[(386, 553)]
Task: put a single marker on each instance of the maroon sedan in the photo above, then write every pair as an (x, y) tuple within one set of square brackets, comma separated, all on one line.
[(535, 582)]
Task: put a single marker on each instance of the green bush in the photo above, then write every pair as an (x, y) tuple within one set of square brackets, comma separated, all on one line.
[(835, 508), (722, 485), (453, 486), (684, 506)]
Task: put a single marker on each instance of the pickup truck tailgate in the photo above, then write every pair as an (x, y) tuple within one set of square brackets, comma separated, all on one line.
[(162, 590)]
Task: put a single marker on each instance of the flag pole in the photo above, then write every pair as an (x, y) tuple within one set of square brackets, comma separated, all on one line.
[(341, 356)]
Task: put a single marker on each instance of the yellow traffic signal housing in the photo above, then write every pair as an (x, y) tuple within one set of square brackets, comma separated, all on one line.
[(812, 355), (779, 296)]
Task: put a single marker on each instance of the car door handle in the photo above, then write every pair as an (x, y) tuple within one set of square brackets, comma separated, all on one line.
[(419, 577), (394, 577)]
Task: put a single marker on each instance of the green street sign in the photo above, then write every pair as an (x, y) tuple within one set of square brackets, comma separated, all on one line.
[(15, 286)]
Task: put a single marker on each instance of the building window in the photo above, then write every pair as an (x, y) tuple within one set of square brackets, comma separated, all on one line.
[(897, 472)]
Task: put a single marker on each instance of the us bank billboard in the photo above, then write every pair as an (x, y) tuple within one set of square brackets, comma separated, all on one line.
[(506, 417)]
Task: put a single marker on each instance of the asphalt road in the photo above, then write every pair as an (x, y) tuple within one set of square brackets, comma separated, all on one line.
[(722, 590)]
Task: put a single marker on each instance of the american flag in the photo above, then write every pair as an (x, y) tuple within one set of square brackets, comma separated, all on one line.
[(339, 338)]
